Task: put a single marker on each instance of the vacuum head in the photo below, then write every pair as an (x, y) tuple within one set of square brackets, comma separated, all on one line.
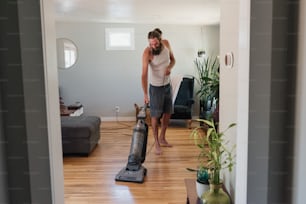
[(132, 176)]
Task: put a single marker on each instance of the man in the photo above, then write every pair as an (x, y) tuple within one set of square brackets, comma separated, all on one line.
[(160, 59)]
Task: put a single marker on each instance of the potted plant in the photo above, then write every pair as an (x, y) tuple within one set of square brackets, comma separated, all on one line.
[(216, 155), (202, 182), (202, 175), (202, 172), (208, 79)]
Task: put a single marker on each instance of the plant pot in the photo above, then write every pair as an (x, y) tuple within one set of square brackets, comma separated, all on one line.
[(215, 195), (201, 188)]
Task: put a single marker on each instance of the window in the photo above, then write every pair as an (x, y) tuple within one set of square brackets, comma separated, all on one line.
[(70, 55), (119, 39)]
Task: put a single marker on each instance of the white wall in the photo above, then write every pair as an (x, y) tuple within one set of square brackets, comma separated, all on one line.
[(53, 119), (211, 39), (102, 79), (299, 179), (234, 84)]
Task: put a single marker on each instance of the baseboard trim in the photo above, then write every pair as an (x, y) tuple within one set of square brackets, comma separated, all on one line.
[(111, 119), (128, 118)]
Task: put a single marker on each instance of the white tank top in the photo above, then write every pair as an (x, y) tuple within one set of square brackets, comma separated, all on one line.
[(158, 65)]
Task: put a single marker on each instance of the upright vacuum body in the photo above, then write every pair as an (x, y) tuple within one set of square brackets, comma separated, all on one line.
[(134, 170)]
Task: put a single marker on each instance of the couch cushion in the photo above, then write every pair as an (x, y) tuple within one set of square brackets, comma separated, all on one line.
[(79, 126), (80, 134)]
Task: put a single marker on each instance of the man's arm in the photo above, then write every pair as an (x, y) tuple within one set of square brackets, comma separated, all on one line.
[(172, 59), (144, 75)]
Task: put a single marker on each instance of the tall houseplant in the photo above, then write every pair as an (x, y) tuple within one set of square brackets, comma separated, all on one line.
[(202, 172), (207, 69), (213, 150)]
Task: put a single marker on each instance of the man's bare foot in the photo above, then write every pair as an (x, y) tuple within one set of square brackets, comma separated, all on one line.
[(158, 150), (164, 143)]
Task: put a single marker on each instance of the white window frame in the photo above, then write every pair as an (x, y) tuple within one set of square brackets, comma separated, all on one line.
[(119, 39)]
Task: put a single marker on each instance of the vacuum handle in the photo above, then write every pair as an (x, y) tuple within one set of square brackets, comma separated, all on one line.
[(142, 113)]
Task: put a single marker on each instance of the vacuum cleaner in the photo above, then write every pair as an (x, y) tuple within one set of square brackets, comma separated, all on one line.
[(134, 170)]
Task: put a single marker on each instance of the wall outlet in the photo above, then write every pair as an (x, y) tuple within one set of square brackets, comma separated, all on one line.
[(117, 109)]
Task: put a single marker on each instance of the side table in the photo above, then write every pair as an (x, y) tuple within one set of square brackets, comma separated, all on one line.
[(72, 111), (77, 112), (192, 197)]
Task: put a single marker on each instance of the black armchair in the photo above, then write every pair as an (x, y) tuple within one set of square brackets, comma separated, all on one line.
[(184, 100)]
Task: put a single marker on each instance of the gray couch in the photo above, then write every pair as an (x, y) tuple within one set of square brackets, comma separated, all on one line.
[(80, 134)]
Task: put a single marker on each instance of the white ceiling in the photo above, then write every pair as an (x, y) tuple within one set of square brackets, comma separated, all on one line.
[(195, 12)]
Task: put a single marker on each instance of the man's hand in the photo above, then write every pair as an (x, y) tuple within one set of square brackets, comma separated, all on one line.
[(146, 99), (168, 71)]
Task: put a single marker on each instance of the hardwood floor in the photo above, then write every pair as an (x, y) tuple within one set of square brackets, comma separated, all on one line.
[(91, 180)]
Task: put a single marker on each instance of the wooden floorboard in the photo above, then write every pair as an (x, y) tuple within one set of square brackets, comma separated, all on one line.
[(91, 180)]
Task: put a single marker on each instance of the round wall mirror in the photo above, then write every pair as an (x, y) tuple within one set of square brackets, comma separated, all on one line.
[(67, 53)]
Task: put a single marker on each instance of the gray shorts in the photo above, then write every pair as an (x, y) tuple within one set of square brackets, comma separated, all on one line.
[(160, 100)]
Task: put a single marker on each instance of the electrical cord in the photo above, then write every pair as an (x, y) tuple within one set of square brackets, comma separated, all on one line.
[(150, 148)]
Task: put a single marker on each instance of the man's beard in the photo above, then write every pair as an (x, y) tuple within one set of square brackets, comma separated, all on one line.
[(157, 50)]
